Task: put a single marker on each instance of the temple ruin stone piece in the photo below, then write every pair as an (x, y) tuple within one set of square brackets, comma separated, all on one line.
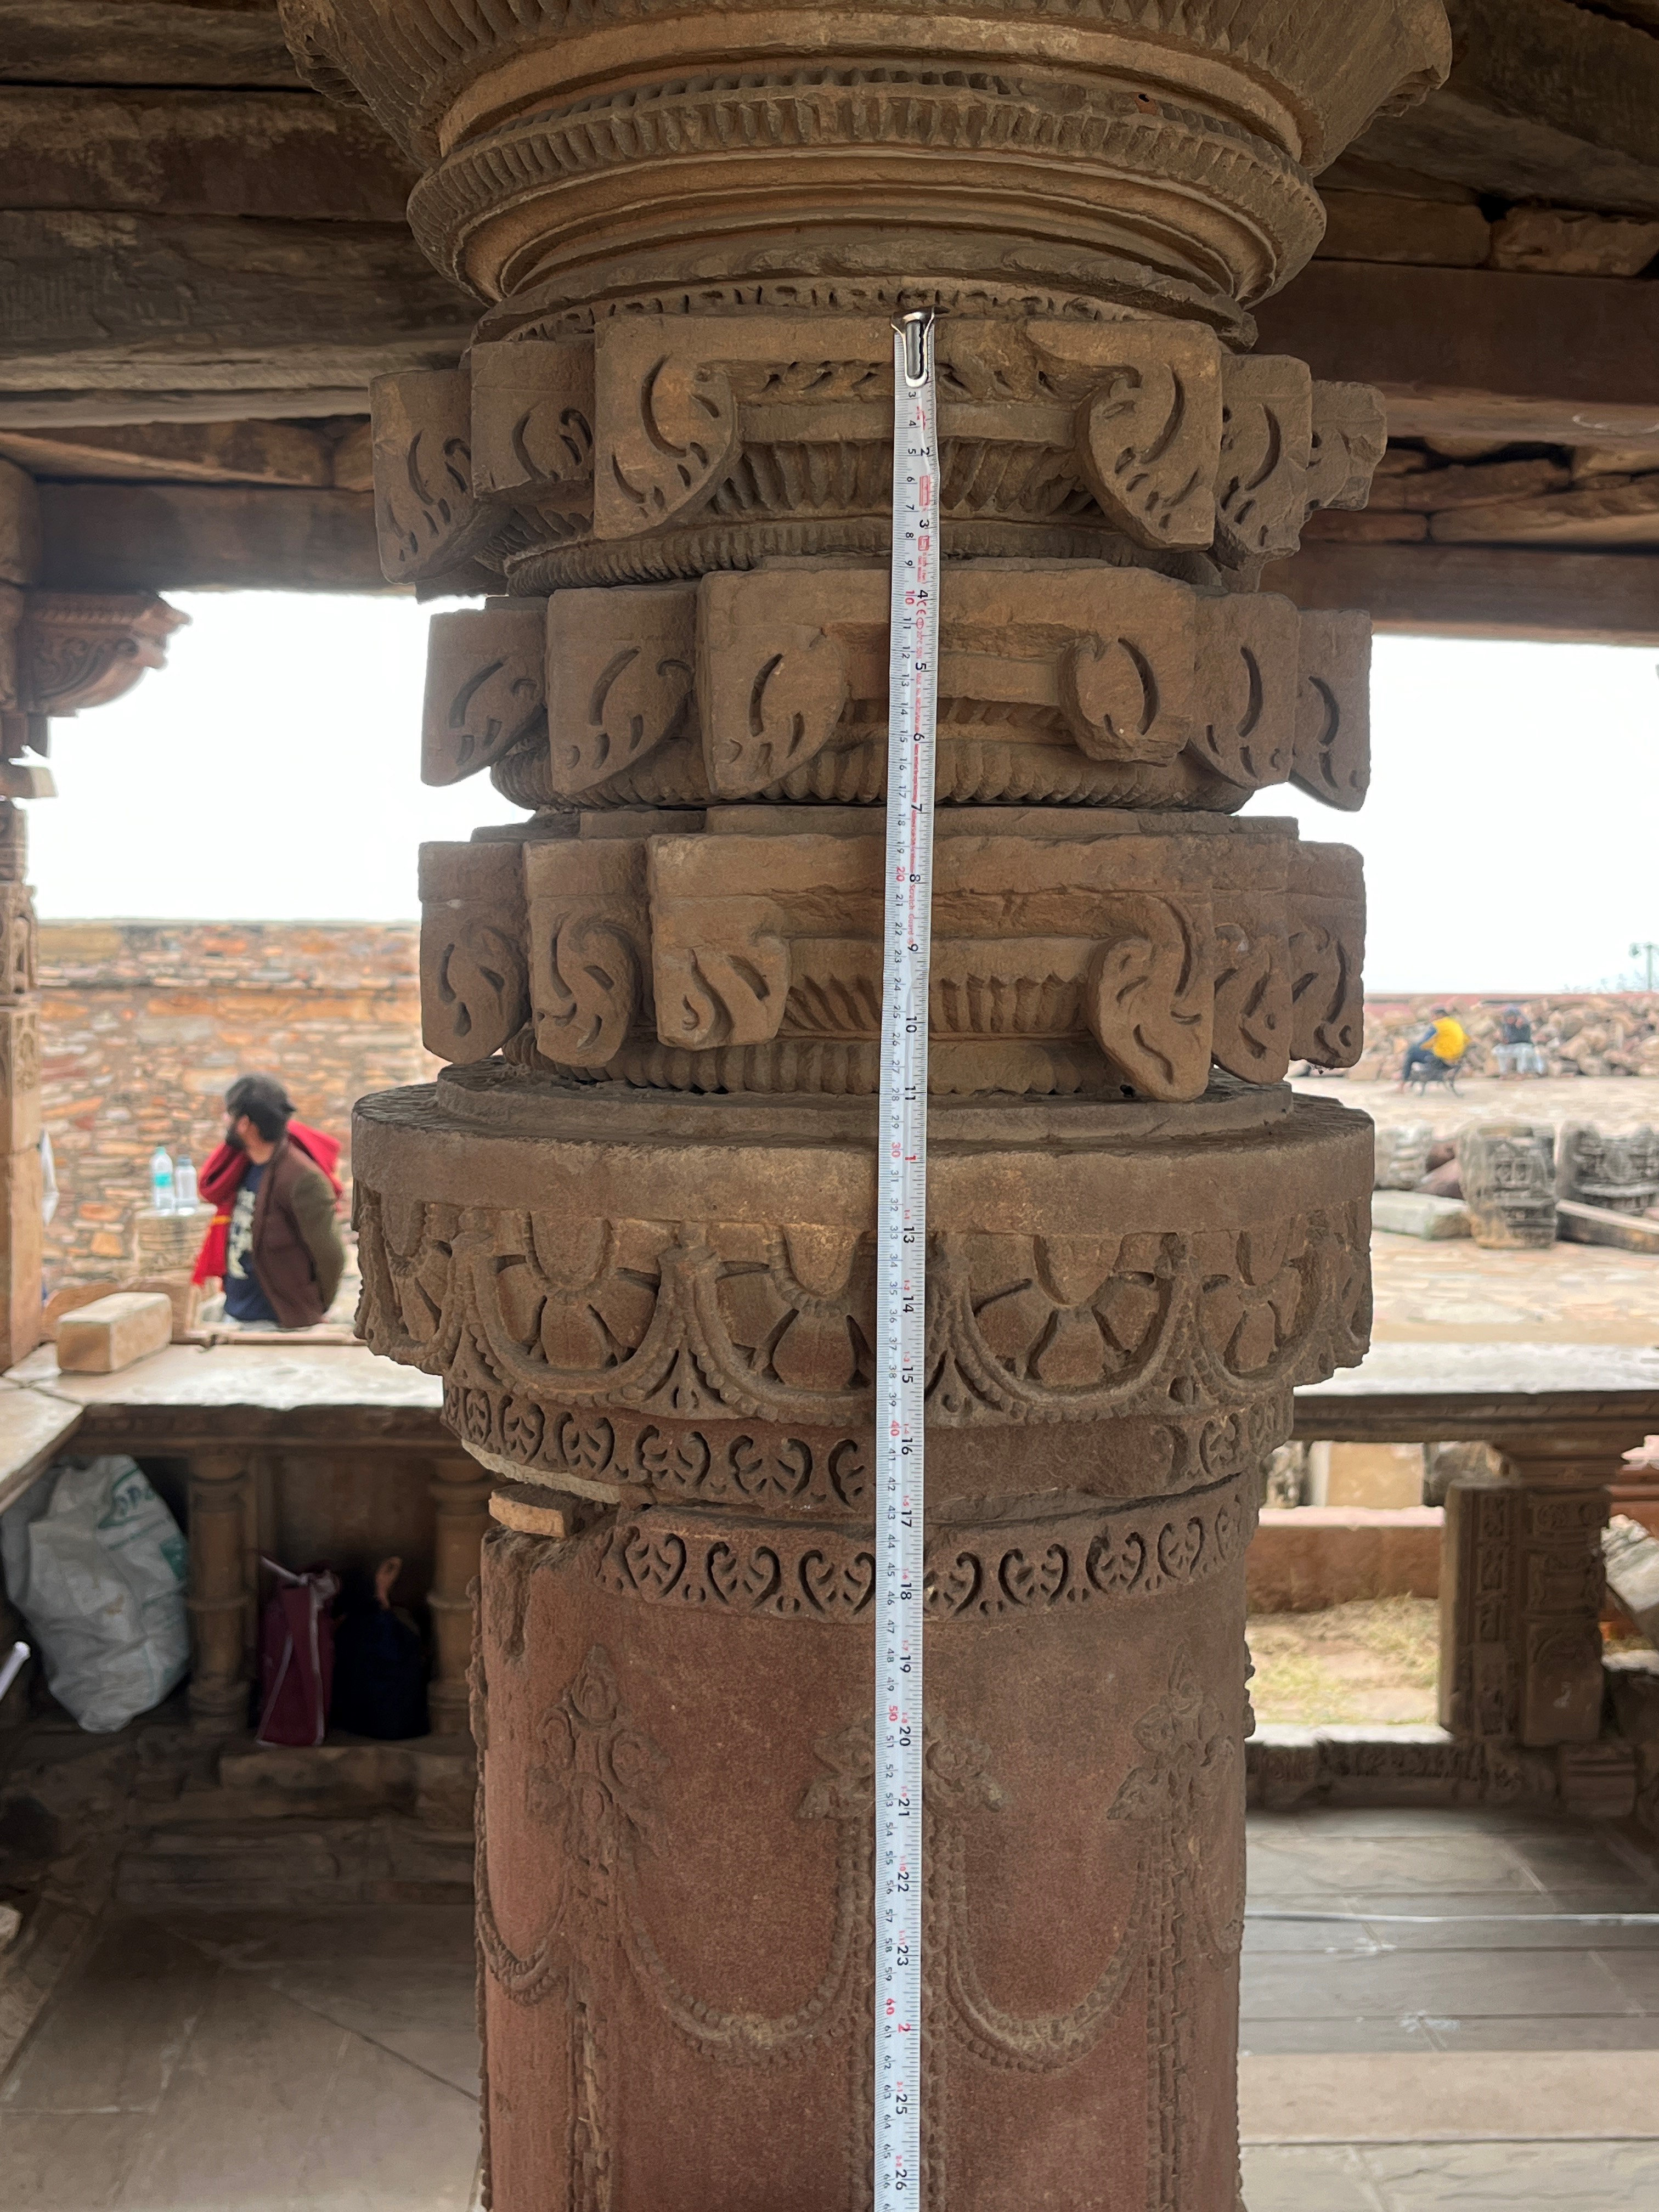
[(1616, 1169), (1402, 1155), (631, 1226), (1507, 1173)]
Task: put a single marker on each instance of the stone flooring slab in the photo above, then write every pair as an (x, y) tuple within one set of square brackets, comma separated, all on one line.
[(311, 2061), (1450, 2096), (1592, 2176)]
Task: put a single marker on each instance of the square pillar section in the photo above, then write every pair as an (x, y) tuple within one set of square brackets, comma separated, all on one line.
[(1521, 1584), (632, 1224)]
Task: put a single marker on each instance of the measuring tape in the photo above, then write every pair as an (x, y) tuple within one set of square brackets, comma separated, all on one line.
[(902, 1246)]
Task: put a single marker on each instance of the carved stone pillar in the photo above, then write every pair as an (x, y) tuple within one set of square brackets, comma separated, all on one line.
[(460, 1497), (221, 1598), (631, 1225), (1522, 1583)]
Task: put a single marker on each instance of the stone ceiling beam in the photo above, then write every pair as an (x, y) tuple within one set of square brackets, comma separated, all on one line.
[(200, 537), (1481, 353), (1482, 591), (128, 303), (143, 42), (1547, 101), (289, 454), (275, 155)]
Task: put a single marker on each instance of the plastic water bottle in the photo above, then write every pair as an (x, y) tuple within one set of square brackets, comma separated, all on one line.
[(184, 1183), (160, 1179)]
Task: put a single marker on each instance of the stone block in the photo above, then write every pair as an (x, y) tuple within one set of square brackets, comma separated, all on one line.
[(1376, 1477), (1308, 1557), (1414, 1214), (112, 1333)]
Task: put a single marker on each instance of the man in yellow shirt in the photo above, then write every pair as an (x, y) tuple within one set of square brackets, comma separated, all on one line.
[(1445, 1041)]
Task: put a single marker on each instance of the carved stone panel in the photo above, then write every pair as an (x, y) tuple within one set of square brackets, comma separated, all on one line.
[(1521, 1633), (474, 984)]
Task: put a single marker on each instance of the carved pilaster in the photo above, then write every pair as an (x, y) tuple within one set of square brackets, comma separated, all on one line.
[(1523, 1584)]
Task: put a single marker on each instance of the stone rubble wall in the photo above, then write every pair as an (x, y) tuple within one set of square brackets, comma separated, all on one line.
[(1580, 1033), (144, 1025)]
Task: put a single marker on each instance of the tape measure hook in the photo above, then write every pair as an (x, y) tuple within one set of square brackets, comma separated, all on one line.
[(915, 327)]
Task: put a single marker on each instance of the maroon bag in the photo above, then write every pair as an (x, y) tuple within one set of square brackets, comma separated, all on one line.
[(296, 1656)]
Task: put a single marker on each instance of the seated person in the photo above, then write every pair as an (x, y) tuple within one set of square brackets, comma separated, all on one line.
[(1515, 1053), (1441, 1047)]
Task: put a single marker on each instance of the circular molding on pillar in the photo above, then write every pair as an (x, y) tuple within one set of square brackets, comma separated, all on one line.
[(640, 1291)]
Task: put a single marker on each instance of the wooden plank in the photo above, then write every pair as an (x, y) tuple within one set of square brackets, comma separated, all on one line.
[(210, 303), (160, 537), (163, 452), (1481, 353), (144, 42), (1465, 591), (290, 157), (1547, 101)]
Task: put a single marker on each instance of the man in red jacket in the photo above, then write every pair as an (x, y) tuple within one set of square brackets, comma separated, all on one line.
[(274, 1242)]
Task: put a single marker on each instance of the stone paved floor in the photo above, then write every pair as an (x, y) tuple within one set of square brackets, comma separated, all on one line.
[(1507, 2061), (253, 2061)]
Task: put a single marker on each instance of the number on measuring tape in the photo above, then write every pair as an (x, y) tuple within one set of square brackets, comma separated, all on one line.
[(901, 1222)]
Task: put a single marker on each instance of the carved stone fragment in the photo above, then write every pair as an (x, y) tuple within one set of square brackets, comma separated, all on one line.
[(1618, 1169), (1508, 1172)]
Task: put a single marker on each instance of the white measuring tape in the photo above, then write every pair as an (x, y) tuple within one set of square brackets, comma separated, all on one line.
[(902, 1240)]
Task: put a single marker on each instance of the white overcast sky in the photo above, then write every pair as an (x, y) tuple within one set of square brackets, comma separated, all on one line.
[(271, 772)]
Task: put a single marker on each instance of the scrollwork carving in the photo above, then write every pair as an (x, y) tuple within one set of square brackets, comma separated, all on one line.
[(474, 989)]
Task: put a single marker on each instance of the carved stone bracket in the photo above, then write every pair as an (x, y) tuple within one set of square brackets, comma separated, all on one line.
[(76, 649), (1058, 680), (663, 447), (1092, 951)]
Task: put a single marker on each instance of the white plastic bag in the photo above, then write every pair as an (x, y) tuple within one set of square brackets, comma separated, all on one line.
[(96, 1564)]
